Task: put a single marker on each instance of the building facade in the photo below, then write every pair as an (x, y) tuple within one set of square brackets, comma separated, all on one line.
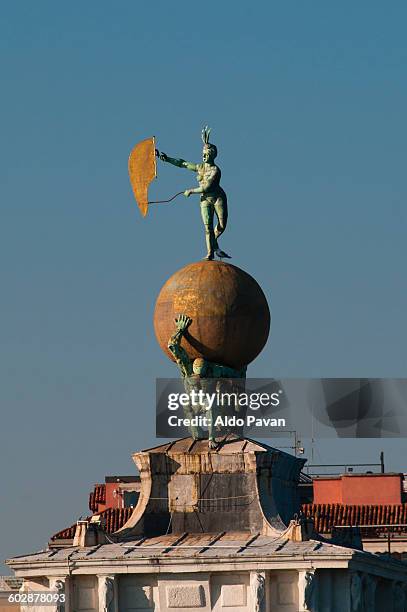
[(212, 530)]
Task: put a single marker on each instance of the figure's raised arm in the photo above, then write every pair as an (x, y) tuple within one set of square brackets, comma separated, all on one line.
[(180, 355), (180, 163)]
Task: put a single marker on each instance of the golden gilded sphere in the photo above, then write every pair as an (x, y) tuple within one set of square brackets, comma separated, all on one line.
[(229, 312)]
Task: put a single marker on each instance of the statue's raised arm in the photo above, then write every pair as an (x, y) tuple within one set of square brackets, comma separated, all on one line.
[(213, 198), (180, 163), (180, 355)]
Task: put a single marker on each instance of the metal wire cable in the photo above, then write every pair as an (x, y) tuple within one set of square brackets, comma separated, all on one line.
[(166, 201), (206, 498)]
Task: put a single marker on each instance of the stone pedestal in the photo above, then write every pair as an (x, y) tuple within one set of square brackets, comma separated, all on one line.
[(241, 486)]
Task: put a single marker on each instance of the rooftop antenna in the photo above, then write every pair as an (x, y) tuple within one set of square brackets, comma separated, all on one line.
[(312, 433), (382, 462)]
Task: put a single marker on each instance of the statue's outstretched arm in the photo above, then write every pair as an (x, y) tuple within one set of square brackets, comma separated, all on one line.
[(182, 360), (180, 163)]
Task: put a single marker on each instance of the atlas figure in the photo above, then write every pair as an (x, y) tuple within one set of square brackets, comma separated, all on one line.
[(213, 198), (211, 378)]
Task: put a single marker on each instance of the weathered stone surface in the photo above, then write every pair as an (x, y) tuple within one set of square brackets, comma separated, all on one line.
[(185, 596), (234, 595), (240, 486)]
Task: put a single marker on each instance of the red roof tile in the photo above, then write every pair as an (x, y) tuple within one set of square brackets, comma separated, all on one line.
[(114, 519), (327, 516), (97, 496)]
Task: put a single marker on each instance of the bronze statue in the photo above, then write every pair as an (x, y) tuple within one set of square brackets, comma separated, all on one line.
[(213, 198), (209, 378)]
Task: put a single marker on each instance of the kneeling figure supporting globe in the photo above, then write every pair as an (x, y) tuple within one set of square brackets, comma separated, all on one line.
[(222, 322)]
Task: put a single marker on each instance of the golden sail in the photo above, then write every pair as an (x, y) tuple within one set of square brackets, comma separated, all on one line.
[(142, 170)]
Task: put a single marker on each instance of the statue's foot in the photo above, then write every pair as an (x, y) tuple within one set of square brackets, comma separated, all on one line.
[(212, 444), (222, 255), (209, 257)]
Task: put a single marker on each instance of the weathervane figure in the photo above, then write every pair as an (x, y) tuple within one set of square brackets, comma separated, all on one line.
[(213, 198)]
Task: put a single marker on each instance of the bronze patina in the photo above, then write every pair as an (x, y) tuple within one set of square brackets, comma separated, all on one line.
[(211, 379), (213, 198)]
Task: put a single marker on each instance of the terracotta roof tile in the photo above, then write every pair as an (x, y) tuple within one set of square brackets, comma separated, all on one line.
[(327, 516), (114, 519), (97, 496)]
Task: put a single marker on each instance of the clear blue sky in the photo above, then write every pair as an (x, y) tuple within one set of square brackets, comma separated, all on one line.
[(308, 107)]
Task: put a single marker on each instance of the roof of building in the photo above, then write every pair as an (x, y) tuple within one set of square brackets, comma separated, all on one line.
[(123, 479), (187, 545), (366, 475), (327, 516), (230, 444), (305, 479), (114, 519), (97, 496)]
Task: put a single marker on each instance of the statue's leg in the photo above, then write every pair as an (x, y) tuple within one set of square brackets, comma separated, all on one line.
[(212, 414), (221, 209), (193, 429), (207, 212)]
